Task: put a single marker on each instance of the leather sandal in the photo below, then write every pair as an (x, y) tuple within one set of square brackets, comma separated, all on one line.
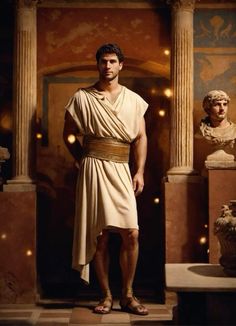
[(132, 305), (104, 306)]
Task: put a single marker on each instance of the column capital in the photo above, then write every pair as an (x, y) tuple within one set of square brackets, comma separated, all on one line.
[(182, 4), (26, 3)]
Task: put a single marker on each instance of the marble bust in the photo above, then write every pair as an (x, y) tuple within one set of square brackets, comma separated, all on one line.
[(218, 131)]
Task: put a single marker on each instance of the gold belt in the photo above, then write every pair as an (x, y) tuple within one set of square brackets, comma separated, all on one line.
[(109, 149)]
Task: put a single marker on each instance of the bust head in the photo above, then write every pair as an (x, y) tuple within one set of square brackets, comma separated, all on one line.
[(215, 104)]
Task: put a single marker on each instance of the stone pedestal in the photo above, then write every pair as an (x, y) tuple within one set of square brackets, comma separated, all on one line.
[(18, 247), (221, 189), (185, 215), (206, 296)]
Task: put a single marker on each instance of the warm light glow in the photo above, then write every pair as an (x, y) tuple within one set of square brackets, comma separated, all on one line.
[(202, 240), (161, 113), (167, 92), (39, 135), (205, 226), (71, 138), (29, 253), (3, 236), (208, 251), (156, 200), (167, 52), (153, 91), (5, 121)]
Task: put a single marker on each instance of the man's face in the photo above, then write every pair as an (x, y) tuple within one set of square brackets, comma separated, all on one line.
[(109, 66), (218, 110)]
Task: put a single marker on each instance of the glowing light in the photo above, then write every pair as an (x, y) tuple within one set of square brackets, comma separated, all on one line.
[(167, 52), (3, 236), (162, 113), (29, 253), (5, 121), (167, 92), (208, 251), (39, 135), (71, 138), (153, 91), (206, 226), (156, 200), (202, 240)]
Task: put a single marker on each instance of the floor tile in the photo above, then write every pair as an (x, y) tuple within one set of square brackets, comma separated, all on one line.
[(82, 315)]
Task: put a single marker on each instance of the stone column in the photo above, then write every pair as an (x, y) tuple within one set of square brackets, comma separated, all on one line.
[(181, 145), (24, 97)]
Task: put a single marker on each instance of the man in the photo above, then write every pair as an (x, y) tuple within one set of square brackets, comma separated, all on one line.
[(216, 128), (109, 117)]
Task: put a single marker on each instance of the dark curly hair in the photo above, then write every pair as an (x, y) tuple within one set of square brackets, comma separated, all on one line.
[(110, 48)]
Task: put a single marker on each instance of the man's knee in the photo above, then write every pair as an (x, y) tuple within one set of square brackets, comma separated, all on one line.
[(102, 241), (131, 238)]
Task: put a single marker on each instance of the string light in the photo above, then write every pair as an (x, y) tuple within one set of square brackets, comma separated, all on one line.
[(39, 135), (71, 138), (202, 240), (167, 92), (3, 236), (161, 113), (153, 91), (29, 253), (156, 200), (167, 52)]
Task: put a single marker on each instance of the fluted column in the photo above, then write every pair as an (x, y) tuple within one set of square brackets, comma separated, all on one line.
[(181, 145), (24, 96)]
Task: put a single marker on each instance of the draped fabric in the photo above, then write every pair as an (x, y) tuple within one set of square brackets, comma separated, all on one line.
[(104, 192)]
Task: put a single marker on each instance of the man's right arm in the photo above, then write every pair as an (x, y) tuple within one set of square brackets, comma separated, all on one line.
[(70, 128)]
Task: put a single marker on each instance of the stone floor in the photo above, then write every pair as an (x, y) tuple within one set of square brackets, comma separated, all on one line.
[(81, 314)]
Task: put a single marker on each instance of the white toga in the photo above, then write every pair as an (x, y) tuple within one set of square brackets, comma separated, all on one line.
[(104, 193)]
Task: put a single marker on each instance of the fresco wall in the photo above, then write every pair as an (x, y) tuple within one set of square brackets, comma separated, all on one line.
[(215, 63), (71, 36)]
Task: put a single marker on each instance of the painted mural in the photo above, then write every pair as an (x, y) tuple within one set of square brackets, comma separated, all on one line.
[(215, 51), (72, 35), (215, 64)]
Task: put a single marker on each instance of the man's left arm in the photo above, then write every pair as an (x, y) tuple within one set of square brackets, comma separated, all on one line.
[(140, 154)]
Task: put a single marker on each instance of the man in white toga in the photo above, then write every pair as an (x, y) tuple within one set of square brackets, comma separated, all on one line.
[(109, 118)]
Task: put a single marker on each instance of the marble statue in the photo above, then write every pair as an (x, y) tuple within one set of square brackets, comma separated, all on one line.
[(218, 131), (4, 155)]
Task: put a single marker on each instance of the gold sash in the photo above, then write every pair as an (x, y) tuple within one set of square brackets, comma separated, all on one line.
[(109, 149)]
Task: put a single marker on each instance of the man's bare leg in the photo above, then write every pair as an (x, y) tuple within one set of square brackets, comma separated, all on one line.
[(128, 257), (101, 264), (128, 262)]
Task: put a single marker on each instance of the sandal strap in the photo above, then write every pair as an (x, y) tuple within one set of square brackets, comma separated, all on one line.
[(128, 301), (104, 305), (127, 292), (104, 300), (133, 305)]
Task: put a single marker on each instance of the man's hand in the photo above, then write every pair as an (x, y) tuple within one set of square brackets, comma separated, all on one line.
[(138, 183)]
